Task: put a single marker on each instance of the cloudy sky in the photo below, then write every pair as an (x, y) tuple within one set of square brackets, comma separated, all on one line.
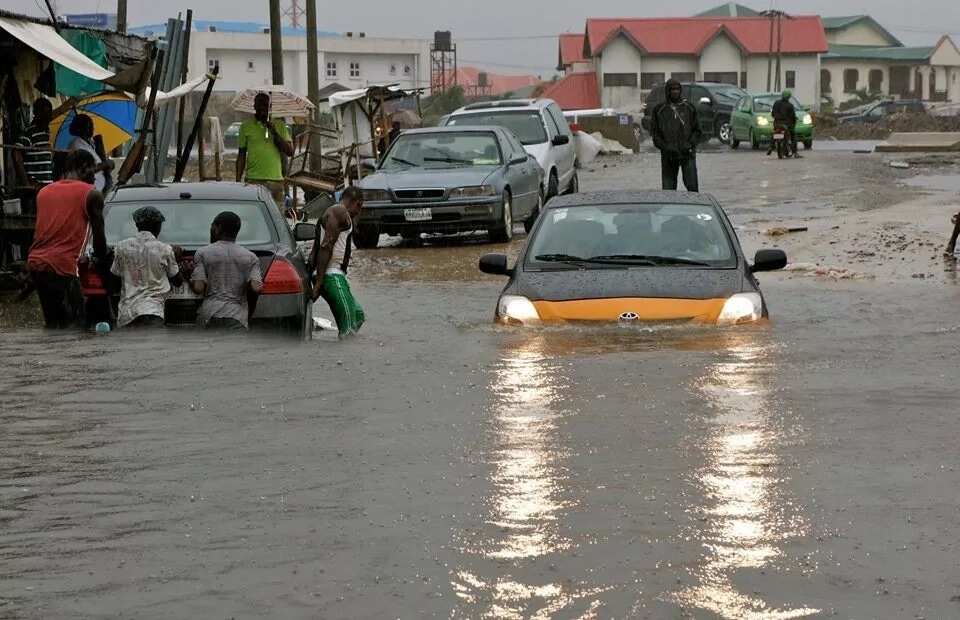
[(514, 36)]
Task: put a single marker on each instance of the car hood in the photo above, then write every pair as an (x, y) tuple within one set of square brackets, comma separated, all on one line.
[(668, 282), (444, 177), (662, 293)]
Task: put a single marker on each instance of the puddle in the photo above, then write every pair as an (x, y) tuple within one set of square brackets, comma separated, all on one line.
[(938, 182)]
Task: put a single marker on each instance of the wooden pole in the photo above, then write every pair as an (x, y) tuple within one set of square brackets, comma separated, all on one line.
[(122, 16), (200, 158), (276, 42), (188, 148), (313, 60)]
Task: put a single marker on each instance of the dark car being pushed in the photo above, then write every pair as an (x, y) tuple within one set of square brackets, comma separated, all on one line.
[(714, 102), (451, 180), (188, 210)]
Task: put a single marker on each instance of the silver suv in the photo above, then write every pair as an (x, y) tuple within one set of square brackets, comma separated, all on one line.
[(541, 128)]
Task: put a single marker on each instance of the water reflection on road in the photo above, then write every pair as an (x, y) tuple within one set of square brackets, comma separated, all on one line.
[(747, 515), (526, 499)]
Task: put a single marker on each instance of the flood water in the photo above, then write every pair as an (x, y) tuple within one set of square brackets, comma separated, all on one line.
[(439, 466)]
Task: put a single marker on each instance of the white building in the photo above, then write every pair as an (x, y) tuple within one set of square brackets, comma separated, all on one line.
[(353, 60)]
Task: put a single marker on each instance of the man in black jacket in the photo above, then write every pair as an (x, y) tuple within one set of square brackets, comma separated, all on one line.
[(785, 119), (675, 129)]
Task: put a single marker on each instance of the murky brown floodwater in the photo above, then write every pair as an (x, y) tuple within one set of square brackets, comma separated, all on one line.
[(439, 466)]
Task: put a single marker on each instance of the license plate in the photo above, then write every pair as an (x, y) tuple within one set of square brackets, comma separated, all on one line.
[(778, 136), (417, 215), (182, 292)]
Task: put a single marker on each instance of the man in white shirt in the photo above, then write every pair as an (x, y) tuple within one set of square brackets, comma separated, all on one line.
[(148, 268)]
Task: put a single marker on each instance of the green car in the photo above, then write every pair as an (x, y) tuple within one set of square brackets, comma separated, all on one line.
[(752, 121)]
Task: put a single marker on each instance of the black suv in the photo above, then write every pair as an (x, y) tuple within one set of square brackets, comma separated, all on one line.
[(714, 102)]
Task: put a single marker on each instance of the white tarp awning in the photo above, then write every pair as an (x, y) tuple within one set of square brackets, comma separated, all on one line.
[(45, 40), (346, 96), (184, 89)]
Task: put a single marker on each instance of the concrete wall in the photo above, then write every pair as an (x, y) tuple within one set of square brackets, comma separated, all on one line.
[(838, 67), (381, 60), (621, 56), (859, 34), (807, 89), (720, 55)]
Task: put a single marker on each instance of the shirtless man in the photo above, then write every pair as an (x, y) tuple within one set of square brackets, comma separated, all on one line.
[(331, 259)]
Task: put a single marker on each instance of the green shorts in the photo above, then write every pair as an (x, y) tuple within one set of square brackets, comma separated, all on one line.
[(347, 312)]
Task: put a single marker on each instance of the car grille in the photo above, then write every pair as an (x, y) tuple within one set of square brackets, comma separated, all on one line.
[(437, 217), (433, 193)]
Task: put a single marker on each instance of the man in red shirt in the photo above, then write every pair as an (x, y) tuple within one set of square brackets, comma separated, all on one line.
[(67, 211)]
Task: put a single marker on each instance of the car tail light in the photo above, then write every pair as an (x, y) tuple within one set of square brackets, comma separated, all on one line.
[(90, 281), (282, 279)]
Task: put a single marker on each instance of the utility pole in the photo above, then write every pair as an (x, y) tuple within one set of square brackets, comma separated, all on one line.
[(770, 14), (122, 16), (313, 61), (276, 41)]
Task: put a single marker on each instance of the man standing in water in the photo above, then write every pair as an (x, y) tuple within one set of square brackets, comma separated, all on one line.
[(675, 129), (331, 258)]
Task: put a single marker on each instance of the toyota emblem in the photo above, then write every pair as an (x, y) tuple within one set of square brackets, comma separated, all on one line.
[(628, 317)]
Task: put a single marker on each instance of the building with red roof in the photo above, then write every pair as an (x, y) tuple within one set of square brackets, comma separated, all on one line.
[(630, 56), (479, 83), (575, 91)]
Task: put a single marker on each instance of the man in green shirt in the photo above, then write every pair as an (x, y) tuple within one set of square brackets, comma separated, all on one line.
[(262, 146)]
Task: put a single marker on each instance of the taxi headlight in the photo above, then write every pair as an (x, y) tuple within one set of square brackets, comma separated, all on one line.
[(473, 191), (762, 121), (807, 119), (376, 195), (741, 308), (513, 308)]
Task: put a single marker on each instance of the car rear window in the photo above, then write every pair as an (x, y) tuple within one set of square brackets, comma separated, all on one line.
[(765, 104), (672, 233), (527, 124), (188, 221)]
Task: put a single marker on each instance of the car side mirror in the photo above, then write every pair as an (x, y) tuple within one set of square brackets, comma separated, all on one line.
[(520, 159), (494, 264), (560, 140), (305, 232), (769, 260), (369, 164), (706, 101)]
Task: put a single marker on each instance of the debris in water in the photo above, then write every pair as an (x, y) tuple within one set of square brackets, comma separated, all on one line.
[(901, 165), (779, 231)]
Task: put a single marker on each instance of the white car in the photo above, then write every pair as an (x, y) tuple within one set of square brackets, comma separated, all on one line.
[(541, 128)]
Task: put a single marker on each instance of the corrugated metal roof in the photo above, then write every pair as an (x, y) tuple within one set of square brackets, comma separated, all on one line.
[(858, 52), (839, 23)]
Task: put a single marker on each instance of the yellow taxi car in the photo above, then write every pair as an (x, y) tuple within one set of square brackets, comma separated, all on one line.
[(633, 256)]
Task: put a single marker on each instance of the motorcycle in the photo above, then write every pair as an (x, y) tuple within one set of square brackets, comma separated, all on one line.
[(781, 143)]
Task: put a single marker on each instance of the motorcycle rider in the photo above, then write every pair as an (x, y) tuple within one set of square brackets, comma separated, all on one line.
[(785, 119), (675, 129)]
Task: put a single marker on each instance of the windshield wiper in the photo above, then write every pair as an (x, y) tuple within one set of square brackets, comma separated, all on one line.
[(576, 260), (400, 160), (650, 260), (450, 160)]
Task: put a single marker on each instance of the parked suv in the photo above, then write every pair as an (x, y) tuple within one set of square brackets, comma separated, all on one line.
[(541, 128), (714, 102)]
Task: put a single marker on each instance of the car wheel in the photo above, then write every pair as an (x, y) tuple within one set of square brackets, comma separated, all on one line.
[(366, 237), (754, 141), (734, 143), (574, 186), (807, 145), (723, 133), (530, 221), (553, 187), (503, 233)]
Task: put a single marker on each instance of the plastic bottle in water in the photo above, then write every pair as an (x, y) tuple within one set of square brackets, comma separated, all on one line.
[(103, 328)]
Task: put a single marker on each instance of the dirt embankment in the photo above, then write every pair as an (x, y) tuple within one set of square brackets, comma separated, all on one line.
[(829, 127)]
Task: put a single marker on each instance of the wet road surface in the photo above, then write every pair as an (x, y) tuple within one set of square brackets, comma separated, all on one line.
[(438, 466)]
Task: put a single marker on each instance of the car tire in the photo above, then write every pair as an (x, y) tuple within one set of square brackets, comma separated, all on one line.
[(724, 133), (574, 186), (530, 221), (754, 141), (734, 144), (807, 145), (503, 232), (553, 186), (366, 237)]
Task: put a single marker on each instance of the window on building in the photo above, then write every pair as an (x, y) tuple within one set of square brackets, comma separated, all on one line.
[(251, 66), (684, 76), (791, 79), (850, 79), (212, 64), (393, 69), (354, 69), (331, 69), (743, 79), (620, 79), (876, 80), (826, 80), (650, 80), (723, 77), (407, 69)]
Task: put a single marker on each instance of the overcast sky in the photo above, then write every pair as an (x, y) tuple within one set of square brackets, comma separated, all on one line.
[(916, 22)]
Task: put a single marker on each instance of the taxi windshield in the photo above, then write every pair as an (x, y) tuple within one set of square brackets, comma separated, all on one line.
[(641, 235)]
